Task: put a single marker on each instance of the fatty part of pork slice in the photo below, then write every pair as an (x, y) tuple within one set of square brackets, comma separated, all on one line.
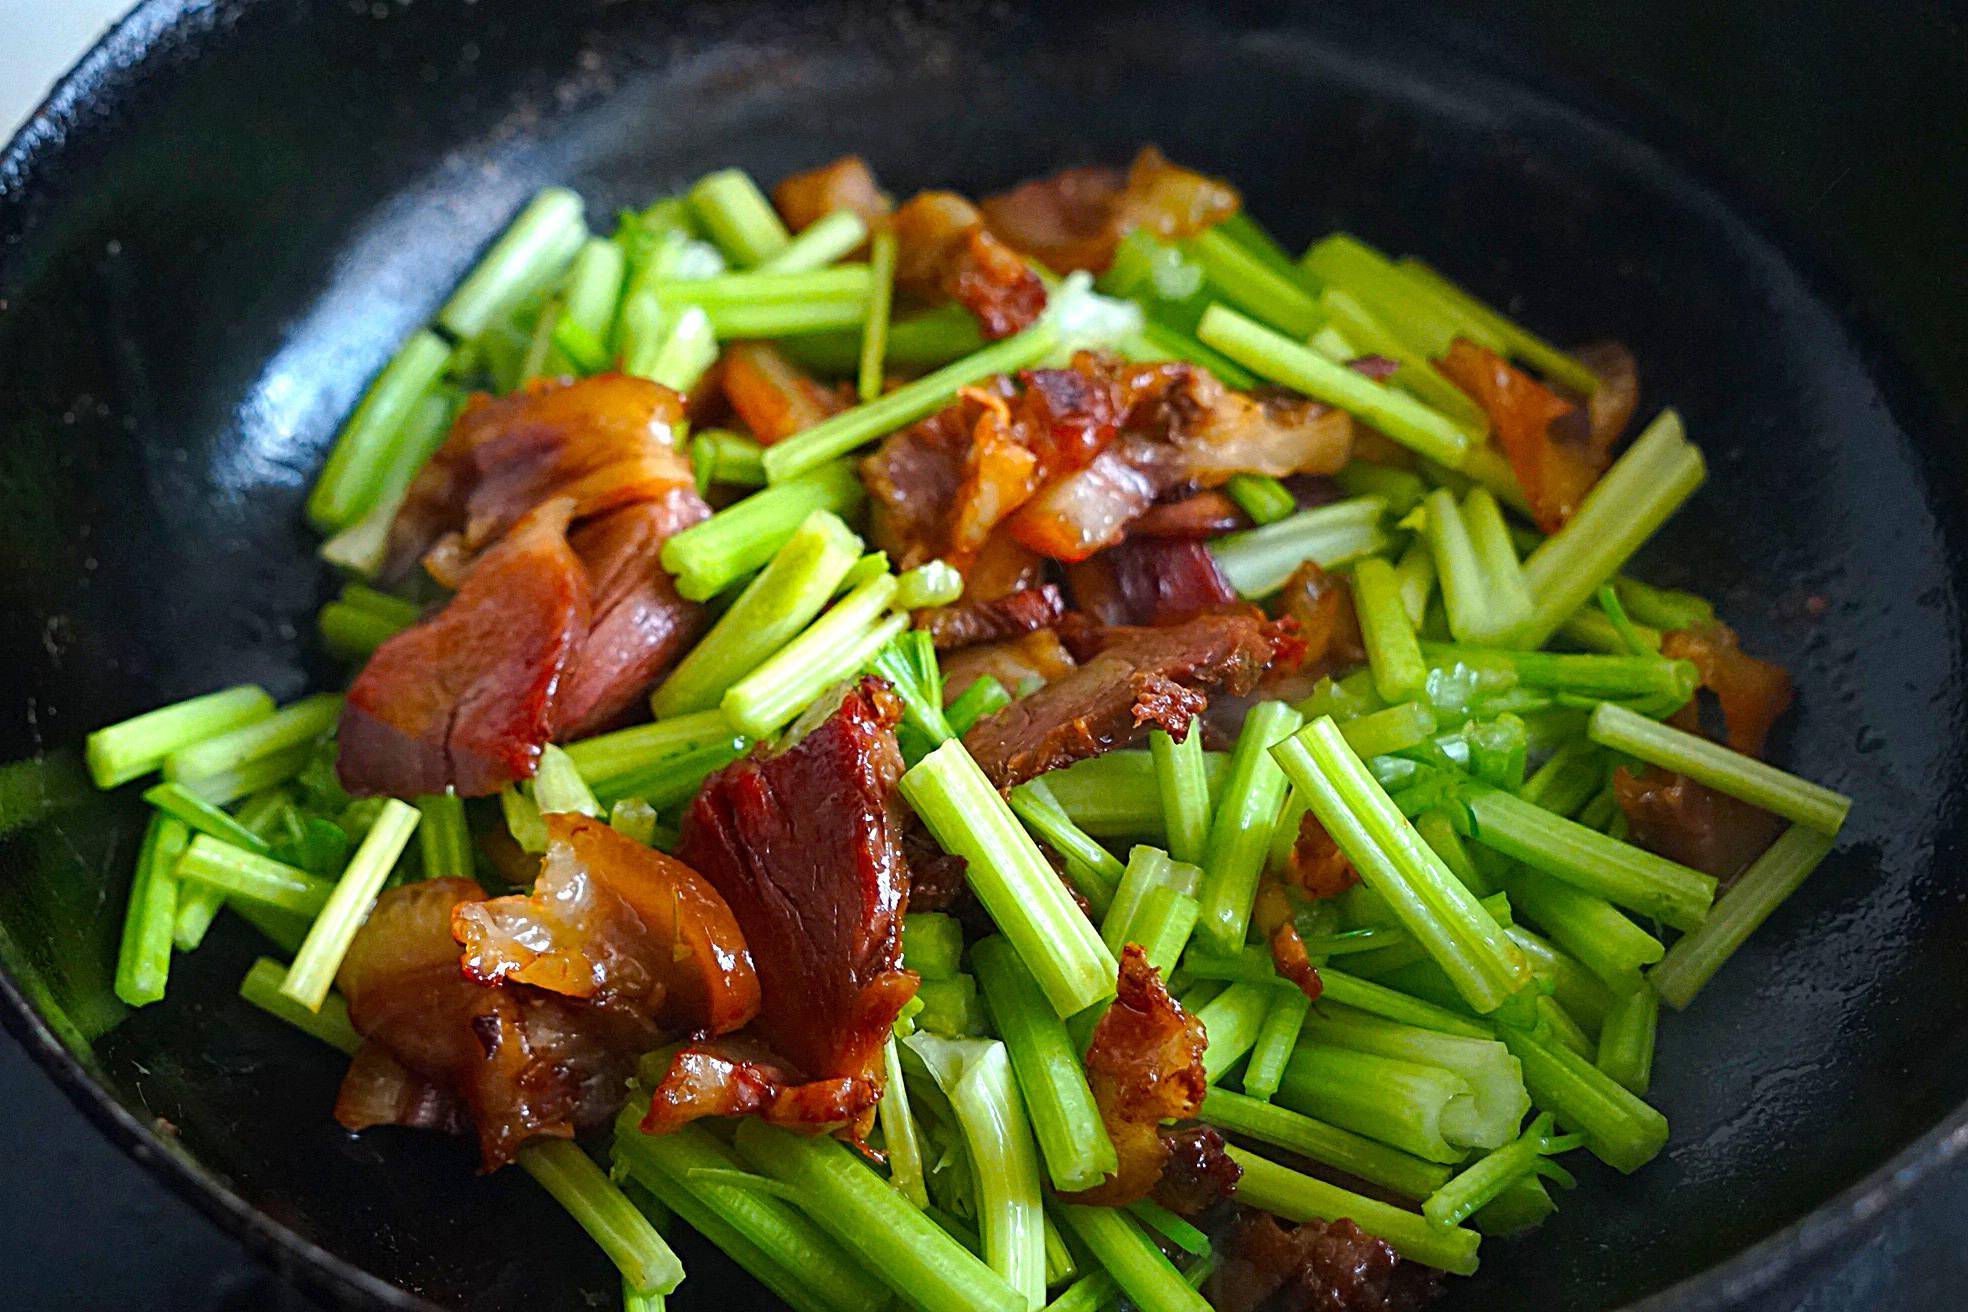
[(516, 1063), (605, 442), (969, 622), (944, 251), (464, 700), (1075, 218), (804, 844), (1161, 677), (612, 922)]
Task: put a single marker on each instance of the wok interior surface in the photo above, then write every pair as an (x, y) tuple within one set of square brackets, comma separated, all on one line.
[(206, 255)]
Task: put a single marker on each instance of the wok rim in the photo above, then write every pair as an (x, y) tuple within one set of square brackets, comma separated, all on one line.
[(129, 43)]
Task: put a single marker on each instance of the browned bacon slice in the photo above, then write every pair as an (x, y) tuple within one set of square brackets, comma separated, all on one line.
[(1153, 581), (1074, 218), (1316, 1266), (1684, 821), (805, 198), (771, 394), (968, 623), (944, 250), (1198, 1174)]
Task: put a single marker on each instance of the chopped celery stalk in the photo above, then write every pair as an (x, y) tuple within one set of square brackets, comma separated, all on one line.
[(1169, 1226), (1392, 1004), (173, 800), (1401, 489), (631, 817), (1498, 1101), (1090, 1293), (1595, 675), (710, 556), (1415, 575), (1147, 868), (539, 344), (1621, 1130), (1262, 497), (1150, 1280), (123, 751), (1159, 341), (1429, 901), (1425, 315), (1258, 561), (260, 879), (1592, 630), (1770, 879), (870, 565), (1251, 964), (826, 651), (934, 584), (313, 971), (330, 1024), (738, 217), (860, 1210), (1375, 1162), (368, 445), (1519, 1209), (1396, 1101), (1395, 729), (700, 1179), (900, 1137), (1626, 1040), (976, 1076), (362, 545), (775, 606), (734, 460), (1562, 1028), (1095, 871), (1182, 781), (1797, 800), (1416, 374), (558, 787), (443, 839), (1498, 749), (1281, 360), (1232, 1020), (689, 348), (610, 756), (353, 633), (1240, 834), (303, 722), (1593, 930), (881, 300), (524, 255), (1643, 488), (1016, 885), (1255, 238), (592, 292), (1285, 1193), (1581, 993), (1163, 925), (1393, 654), (818, 244), (1114, 795), (1275, 1039), (1518, 342), (843, 283), (1567, 851), (1503, 574), (560, 1167), (143, 957), (523, 820), (1663, 608), (1247, 282), (1567, 780), (844, 432), (1072, 1137), (932, 944), (1379, 938), (670, 781), (1489, 1176), (1479, 612)]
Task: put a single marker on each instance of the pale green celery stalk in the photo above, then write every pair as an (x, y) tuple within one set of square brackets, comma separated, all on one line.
[(1095, 871), (1250, 964), (870, 565), (976, 1076), (631, 817), (143, 957), (1232, 1019), (881, 299), (1392, 1004), (1247, 282), (204, 818), (1568, 778), (1395, 729), (1281, 360), (1294, 1197), (1265, 499), (1114, 795), (1182, 781), (934, 584), (1645, 486), (860, 1210), (1438, 831), (1416, 373), (314, 967), (536, 359), (365, 450), (351, 633), (1797, 800), (669, 782), (1240, 835), (1147, 868), (818, 244), (1072, 1137), (1415, 573), (1256, 562), (1424, 314), (775, 606), (243, 874), (1012, 879), (785, 682), (1149, 1279), (844, 432), (1476, 614), (1255, 238), (737, 216), (900, 1138), (1503, 575), (1393, 653), (1591, 929), (1430, 902), (123, 751), (1163, 926), (592, 291), (523, 820), (1582, 994), (1567, 851), (200, 904), (1663, 608), (557, 786), (1090, 1293), (560, 1167), (730, 458), (1373, 1161), (1160, 341), (1401, 489), (708, 557), (1594, 675), (1620, 1129), (1592, 630), (1487, 468), (330, 1024), (303, 722), (1760, 889), (1276, 1037), (361, 547), (932, 944), (689, 348), (1062, 1263), (1489, 1176), (1398, 1102), (444, 839), (1498, 1100), (610, 756), (1519, 1209), (1518, 342), (540, 238), (1626, 1040)]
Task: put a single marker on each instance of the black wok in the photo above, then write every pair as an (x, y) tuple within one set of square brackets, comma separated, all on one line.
[(219, 226)]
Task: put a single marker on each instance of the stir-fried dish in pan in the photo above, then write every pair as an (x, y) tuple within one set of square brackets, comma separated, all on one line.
[(1028, 753)]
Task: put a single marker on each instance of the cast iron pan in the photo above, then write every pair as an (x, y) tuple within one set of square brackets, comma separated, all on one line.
[(223, 221)]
